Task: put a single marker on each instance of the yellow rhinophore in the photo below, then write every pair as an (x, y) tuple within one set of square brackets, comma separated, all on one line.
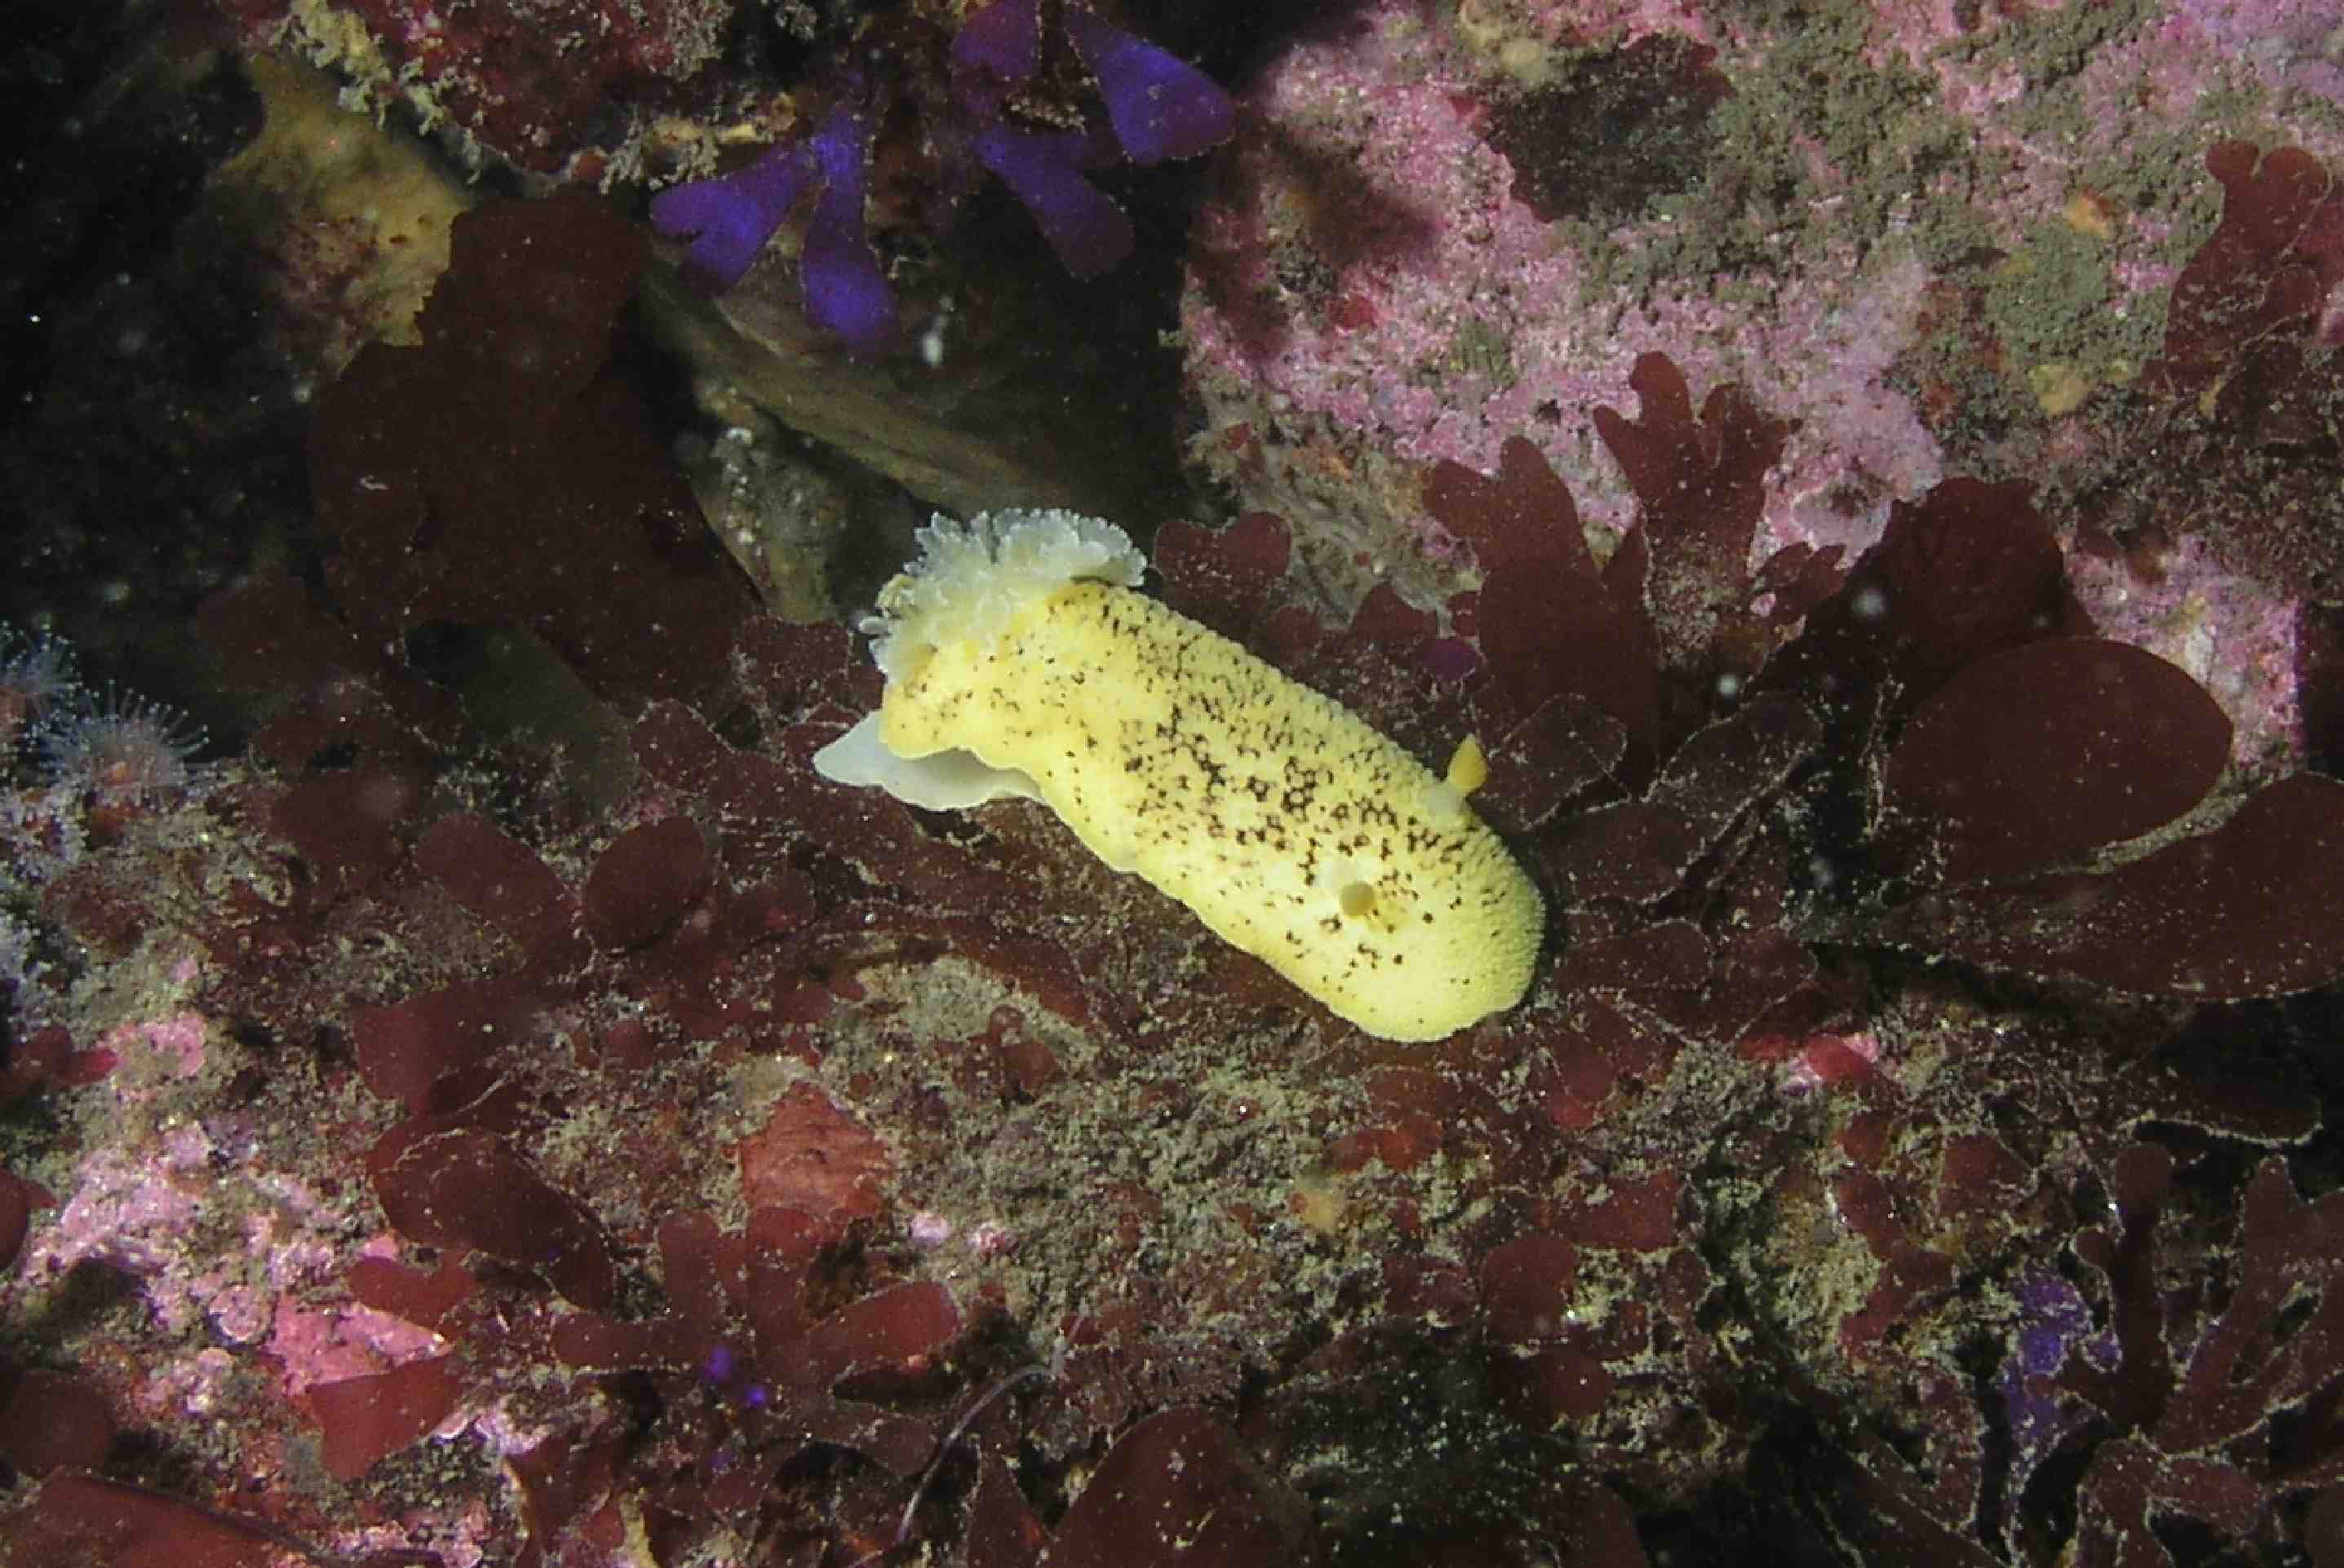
[(1020, 663)]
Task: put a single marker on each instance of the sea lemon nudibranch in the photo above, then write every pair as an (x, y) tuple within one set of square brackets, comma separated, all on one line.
[(1020, 663)]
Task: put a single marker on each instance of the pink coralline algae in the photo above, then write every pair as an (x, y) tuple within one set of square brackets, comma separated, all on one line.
[(1934, 240), (702, 1161)]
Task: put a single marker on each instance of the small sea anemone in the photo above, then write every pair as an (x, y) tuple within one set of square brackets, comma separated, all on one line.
[(119, 749), (35, 672)]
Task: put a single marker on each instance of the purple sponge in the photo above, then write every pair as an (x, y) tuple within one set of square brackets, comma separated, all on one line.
[(733, 218), (1084, 226), (1157, 107), (730, 219), (1162, 106)]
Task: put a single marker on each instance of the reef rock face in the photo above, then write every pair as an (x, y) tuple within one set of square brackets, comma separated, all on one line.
[(501, 1102), (1911, 1143)]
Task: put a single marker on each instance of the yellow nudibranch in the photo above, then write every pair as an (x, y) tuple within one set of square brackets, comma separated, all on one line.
[(1020, 663)]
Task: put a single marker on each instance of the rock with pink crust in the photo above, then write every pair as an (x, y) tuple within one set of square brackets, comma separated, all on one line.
[(1941, 239)]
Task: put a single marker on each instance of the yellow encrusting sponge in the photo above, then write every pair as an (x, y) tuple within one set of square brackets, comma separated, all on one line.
[(1019, 663)]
